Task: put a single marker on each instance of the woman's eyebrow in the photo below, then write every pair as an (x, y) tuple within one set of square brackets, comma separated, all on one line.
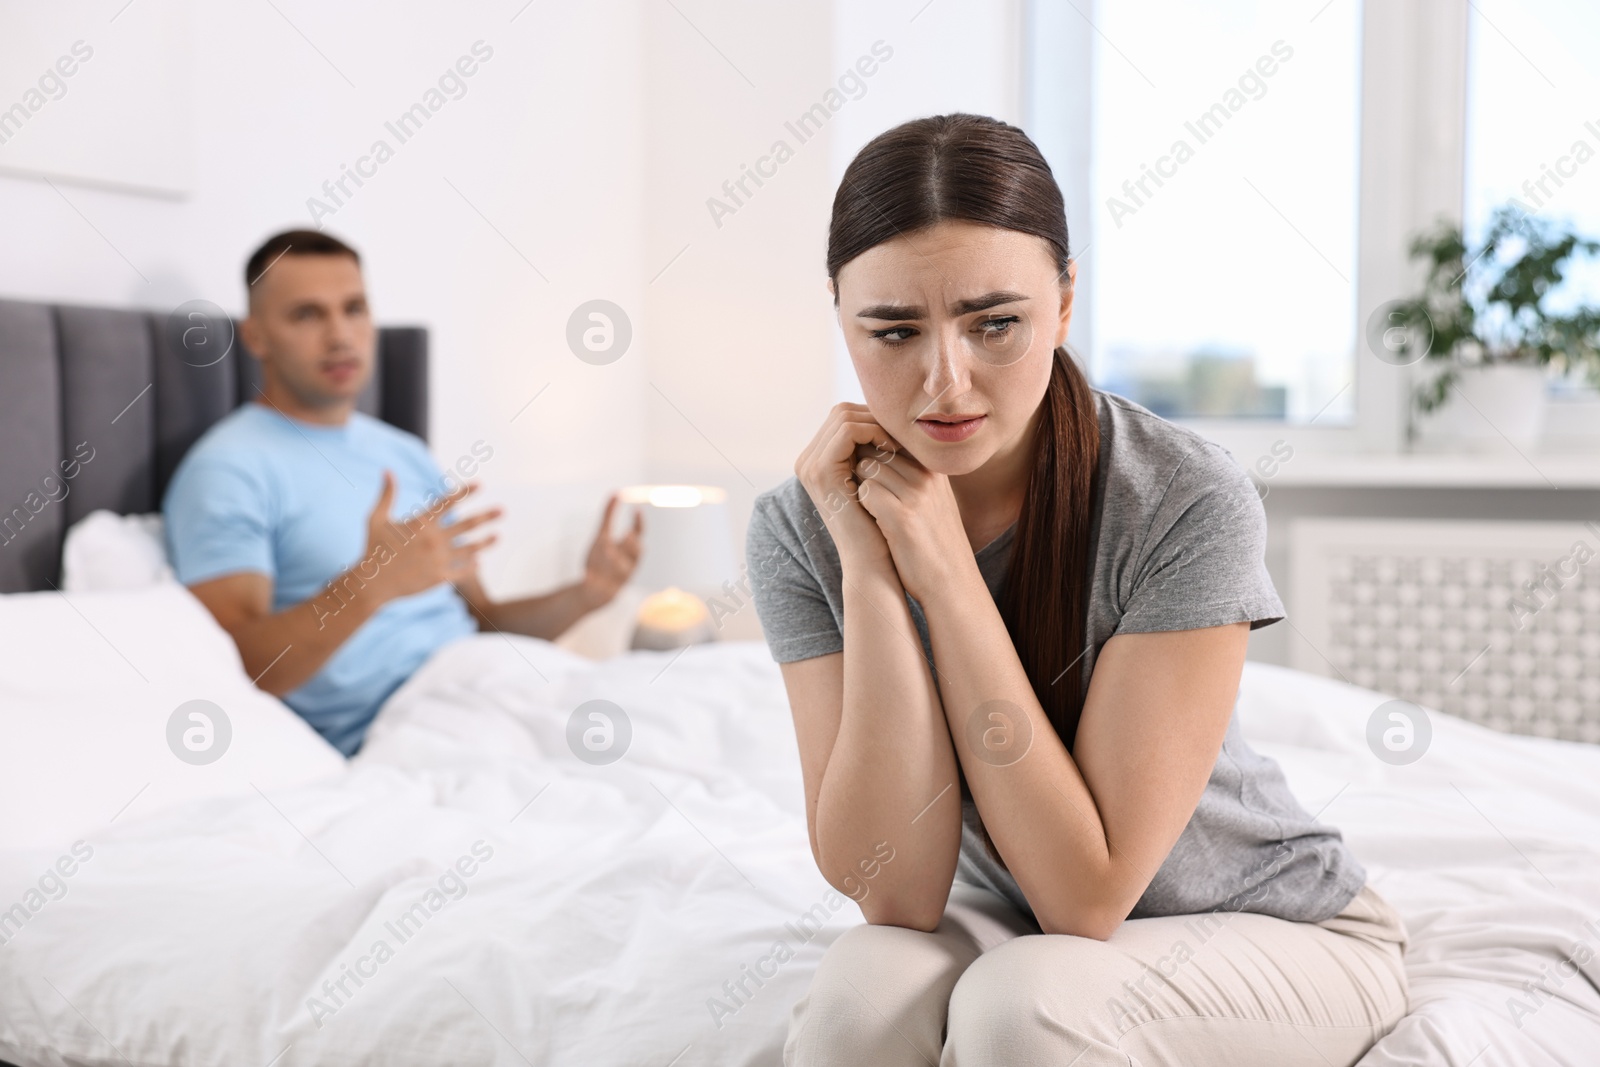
[(892, 312), (889, 312), (986, 301)]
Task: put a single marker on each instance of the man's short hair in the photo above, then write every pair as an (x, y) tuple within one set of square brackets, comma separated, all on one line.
[(296, 243)]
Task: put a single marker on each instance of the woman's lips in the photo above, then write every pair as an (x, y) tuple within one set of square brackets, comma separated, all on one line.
[(951, 431)]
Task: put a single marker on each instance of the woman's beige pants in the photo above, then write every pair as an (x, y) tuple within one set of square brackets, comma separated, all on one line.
[(1219, 989)]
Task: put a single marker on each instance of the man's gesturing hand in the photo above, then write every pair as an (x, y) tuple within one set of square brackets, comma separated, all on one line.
[(418, 553), (611, 563)]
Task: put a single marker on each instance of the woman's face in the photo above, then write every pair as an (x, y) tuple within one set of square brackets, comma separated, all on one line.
[(951, 330)]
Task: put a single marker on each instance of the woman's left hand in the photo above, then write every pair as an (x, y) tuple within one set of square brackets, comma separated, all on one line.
[(917, 512)]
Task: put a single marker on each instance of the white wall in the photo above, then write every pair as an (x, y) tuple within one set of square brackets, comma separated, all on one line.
[(545, 143)]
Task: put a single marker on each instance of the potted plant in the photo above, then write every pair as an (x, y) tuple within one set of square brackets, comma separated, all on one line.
[(1483, 318)]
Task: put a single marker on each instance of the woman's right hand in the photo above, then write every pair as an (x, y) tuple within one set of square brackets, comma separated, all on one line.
[(826, 468)]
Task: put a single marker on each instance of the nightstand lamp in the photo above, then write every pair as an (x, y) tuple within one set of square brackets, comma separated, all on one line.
[(687, 555)]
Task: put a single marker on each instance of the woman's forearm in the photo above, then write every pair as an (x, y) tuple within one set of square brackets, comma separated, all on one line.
[(1038, 809), (891, 776)]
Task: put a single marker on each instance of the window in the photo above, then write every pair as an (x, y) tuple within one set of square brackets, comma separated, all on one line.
[(1533, 129), (1223, 167)]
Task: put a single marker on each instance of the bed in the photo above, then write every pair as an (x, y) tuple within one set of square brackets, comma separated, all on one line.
[(661, 908)]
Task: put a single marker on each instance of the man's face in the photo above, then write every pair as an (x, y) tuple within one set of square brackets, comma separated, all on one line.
[(310, 327)]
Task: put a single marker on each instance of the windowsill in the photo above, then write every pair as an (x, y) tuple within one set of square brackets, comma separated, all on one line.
[(1567, 455), (1455, 470)]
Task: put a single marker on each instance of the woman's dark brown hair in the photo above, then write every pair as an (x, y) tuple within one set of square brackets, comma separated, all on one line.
[(985, 171)]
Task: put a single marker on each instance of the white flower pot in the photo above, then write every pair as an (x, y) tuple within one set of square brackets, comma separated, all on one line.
[(1497, 403)]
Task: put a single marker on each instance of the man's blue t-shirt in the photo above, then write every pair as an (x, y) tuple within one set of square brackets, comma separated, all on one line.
[(262, 492)]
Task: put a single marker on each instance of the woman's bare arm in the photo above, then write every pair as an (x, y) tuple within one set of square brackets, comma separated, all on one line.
[(876, 755), (878, 762)]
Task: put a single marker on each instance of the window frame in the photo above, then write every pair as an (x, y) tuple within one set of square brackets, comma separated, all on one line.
[(1411, 166)]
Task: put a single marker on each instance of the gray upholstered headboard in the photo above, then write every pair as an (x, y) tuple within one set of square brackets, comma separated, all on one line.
[(113, 379)]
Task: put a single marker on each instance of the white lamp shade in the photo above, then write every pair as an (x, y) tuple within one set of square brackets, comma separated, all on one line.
[(686, 539)]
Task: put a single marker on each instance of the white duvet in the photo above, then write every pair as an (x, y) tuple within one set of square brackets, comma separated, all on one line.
[(468, 891)]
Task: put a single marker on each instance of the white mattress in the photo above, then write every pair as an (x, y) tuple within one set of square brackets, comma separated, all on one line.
[(612, 909)]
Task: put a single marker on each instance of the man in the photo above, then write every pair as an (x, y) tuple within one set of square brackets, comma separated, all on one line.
[(320, 537)]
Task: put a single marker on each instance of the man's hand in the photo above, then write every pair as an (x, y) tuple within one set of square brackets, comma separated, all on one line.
[(609, 566), (611, 563), (417, 554), (282, 650)]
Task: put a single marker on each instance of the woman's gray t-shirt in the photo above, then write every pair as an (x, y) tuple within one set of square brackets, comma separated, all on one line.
[(1179, 545)]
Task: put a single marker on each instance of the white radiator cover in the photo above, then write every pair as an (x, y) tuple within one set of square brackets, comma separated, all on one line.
[(1443, 614)]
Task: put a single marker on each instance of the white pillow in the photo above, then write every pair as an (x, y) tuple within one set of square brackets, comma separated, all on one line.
[(104, 550), (91, 684)]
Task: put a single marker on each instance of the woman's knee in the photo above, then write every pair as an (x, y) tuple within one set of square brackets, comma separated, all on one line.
[(998, 1013), (878, 996), (858, 958)]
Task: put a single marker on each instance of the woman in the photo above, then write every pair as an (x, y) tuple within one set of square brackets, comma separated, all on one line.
[(1011, 612)]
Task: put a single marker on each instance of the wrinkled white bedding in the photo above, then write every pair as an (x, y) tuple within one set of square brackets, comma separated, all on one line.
[(534, 908)]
